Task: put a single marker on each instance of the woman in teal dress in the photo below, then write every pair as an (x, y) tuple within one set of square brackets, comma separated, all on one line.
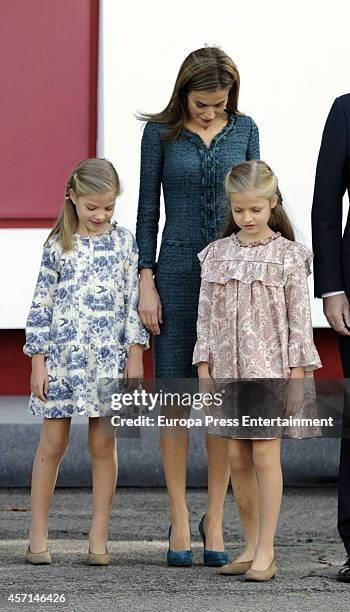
[(187, 150)]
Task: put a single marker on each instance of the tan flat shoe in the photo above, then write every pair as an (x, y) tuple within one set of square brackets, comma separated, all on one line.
[(39, 558), (261, 575), (99, 558), (236, 568)]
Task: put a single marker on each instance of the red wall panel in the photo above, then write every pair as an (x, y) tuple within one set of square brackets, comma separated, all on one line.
[(326, 341), (48, 51), (15, 367)]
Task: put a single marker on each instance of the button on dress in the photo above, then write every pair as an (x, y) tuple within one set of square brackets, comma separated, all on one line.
[(192, 177), (83, 318)]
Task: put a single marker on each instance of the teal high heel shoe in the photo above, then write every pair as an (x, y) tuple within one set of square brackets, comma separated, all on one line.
[(212, 558), (179, 558)]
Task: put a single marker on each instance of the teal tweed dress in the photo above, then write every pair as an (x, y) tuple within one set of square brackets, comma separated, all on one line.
[(192, 177)]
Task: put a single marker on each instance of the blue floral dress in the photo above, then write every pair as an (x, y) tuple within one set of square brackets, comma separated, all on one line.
[(83, 318)]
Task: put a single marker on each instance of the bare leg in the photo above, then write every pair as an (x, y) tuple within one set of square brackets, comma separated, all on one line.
[(267, 461), (245, 488), (218, 478), (104, 476), (53, 443), (174, 445)]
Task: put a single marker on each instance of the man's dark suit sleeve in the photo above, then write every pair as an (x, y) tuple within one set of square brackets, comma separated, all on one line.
[(330, 185)]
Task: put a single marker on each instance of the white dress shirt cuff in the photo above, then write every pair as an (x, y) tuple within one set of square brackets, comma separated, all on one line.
[(331, 293)]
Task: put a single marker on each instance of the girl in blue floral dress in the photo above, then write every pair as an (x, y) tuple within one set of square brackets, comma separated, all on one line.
[(83, 331)]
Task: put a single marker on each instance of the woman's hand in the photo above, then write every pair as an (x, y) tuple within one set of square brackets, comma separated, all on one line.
[(39, 380), (295, 392), (150, 307), (133, 370)]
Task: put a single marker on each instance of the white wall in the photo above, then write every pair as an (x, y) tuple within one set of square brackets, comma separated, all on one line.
[(293, 58), (20, 255)]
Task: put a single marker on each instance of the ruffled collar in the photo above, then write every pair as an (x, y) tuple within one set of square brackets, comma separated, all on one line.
[(256, 242)]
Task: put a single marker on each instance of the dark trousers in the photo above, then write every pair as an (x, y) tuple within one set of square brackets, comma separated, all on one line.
[(344, 467)]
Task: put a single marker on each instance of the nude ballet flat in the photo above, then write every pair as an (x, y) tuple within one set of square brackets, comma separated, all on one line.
[(261, 575), (99, 558), (39, 558), (236, 568)]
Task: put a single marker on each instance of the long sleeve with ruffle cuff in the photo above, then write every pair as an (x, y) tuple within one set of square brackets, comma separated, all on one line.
[(201, 349), (40, 315), (301, 348)]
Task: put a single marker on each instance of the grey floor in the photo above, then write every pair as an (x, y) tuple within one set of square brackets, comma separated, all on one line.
[(308, 554)]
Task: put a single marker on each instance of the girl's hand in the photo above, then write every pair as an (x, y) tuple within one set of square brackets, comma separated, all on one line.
[(206, 383), (134, 365), (39, 380), (295, 392), (150, 307)]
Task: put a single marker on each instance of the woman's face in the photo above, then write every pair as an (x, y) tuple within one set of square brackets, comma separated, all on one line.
[(206, 106)]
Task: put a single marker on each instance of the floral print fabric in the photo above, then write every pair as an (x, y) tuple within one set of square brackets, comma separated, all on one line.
[(254, 317), (83, 318)]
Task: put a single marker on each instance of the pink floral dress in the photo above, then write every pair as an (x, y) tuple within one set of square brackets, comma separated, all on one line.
[(254, 317)]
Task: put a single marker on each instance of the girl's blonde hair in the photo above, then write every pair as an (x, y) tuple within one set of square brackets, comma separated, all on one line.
[(206, 69), (92, 175), (258, 175)]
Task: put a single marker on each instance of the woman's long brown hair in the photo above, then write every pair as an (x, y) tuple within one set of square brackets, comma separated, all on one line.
[(206, 69)]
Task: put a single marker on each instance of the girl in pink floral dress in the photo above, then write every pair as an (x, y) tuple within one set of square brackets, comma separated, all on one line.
[(254, 322)]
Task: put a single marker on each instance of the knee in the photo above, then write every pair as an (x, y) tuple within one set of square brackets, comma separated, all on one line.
[(239, 459), (263, 458), (101, 448), (54, 447)]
